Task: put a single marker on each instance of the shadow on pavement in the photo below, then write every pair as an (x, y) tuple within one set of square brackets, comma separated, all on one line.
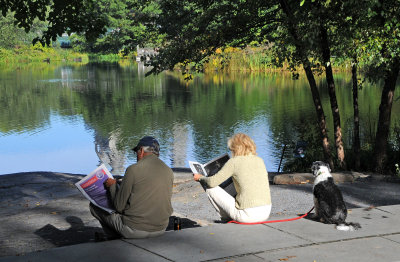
[(79, 233), (76, 234)]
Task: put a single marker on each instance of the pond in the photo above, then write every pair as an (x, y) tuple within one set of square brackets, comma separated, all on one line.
[(70, 118)]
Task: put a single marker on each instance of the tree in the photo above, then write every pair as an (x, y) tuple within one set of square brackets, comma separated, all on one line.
[(195, 29), (62, 16), (323, 18), (371, 29), (302, 35), (130, 23), (11, 35), (349, 26), (300, 54), (382, 43)]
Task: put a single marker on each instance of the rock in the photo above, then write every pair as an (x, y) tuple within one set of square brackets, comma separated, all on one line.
[(304, 178), (293, 179)]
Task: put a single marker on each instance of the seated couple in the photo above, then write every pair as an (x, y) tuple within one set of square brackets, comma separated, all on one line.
[(143, 200)]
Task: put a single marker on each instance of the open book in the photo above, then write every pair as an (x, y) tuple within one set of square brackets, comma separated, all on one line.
[(211, 168), (92, 187)]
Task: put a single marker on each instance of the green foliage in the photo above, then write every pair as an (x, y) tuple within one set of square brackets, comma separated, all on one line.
[(104, 58), (381, 40), (85, 17), (130, 23), (194, 30), (237, 59), (11, 35), (38, 53)]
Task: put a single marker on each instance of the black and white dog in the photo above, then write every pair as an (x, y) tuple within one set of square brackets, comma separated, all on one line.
[(328, 200)]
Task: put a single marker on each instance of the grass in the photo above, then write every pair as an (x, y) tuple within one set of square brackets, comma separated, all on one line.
[(38, 53), (254, 59)]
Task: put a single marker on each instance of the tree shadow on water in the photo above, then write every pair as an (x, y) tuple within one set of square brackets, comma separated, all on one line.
[(76, 234)]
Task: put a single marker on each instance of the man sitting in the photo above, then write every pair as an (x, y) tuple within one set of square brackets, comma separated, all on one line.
[(143, 200)]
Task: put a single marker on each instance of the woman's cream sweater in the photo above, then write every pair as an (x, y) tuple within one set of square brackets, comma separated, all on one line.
[(250, 178)]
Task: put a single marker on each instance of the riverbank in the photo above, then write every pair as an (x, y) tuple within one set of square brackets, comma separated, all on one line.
[(43, 210), (38, 53), (230, 59)]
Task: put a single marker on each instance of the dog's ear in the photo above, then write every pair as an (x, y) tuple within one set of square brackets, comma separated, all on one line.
[(327, 165), (315, 166)]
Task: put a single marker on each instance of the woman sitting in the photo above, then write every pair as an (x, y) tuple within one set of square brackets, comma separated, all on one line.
[(250, 178)]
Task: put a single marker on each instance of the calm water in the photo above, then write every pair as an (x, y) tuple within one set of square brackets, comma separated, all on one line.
[(70, 118)]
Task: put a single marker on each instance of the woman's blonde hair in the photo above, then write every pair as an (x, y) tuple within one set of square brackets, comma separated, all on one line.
[(242, 145)]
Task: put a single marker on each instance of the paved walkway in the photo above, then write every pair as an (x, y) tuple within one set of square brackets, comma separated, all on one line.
[(300, 240)]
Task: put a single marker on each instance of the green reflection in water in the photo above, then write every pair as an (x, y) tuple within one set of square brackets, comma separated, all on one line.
[(191, 120)]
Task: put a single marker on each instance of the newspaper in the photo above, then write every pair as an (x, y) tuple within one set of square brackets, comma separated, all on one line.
[(92, 187), (211, 168)]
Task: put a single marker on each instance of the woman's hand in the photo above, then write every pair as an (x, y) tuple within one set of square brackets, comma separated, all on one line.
[(197, 177)]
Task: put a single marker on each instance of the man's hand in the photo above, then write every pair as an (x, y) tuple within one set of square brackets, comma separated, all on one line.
[(197, 177), (109, 182)]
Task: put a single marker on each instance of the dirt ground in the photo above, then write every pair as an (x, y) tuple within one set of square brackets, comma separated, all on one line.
[(42, 210)]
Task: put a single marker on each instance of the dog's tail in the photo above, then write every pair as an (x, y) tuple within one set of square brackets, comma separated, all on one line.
[(348, 226)]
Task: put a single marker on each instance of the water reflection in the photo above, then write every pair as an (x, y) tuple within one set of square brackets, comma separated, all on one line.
[(111, 107)]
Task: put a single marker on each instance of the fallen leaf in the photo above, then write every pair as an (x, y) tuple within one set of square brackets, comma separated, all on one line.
[(211, 233), (53, 213), (286, 259), (369, 208)]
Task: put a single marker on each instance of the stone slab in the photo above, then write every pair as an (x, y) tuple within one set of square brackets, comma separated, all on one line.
[(393, 209), (304, 178), (245, 258), (395, 238), (116, 250), (373, 222), (293, 179), (182, 175), (366, 250), (217, 241)]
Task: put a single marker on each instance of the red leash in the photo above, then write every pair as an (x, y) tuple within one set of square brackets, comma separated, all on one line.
[(272, 221)]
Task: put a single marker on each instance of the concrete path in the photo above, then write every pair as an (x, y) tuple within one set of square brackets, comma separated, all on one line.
[(300, 240), (43, 211)]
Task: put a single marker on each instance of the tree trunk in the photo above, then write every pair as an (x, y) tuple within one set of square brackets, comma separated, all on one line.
[(385, 110), (311, 80), (326, 57), (356, 129), (320, 114)]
